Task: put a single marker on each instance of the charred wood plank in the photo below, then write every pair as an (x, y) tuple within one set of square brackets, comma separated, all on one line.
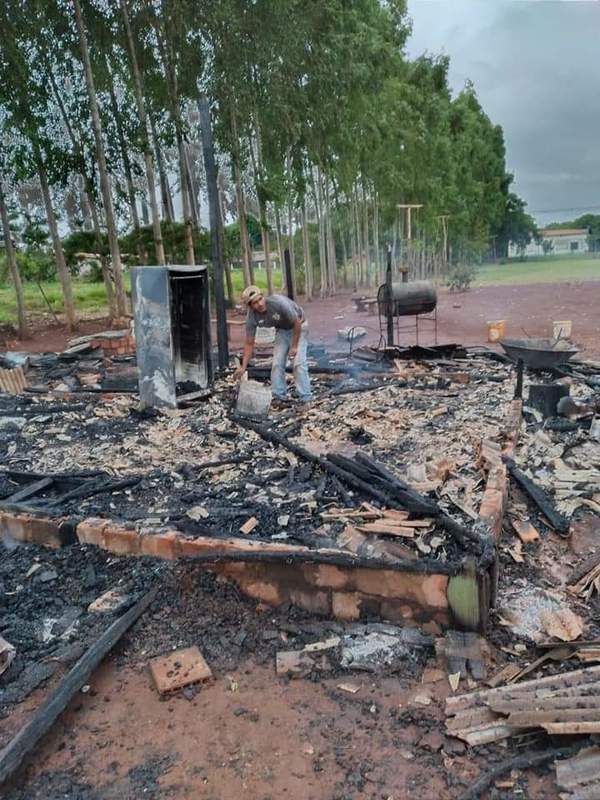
[(17, 749), (539, 497), (91, 489), (30, 491), (57, 477), (337, 559)]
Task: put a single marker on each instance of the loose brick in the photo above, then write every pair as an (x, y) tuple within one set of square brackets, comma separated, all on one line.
[(178, 669)]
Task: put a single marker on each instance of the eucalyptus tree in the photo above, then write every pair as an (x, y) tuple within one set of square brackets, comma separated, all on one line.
[(12, 264), (111, 227), (36, 149)]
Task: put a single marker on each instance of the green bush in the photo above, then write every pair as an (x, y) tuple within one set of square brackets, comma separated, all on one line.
[(460, 277)]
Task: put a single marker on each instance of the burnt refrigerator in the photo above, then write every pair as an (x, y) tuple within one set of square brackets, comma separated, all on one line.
[(171, 306)]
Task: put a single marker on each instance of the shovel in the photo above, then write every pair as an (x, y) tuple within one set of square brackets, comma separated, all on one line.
[(253, 399)]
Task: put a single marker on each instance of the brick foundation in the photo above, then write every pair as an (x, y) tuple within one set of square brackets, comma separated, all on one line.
[(115, 343)]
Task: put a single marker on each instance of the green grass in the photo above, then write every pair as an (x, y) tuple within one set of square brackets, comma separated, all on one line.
[(90, 298), (550, 270)]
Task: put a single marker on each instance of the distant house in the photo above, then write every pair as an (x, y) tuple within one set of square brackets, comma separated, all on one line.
[(554, 242), (258, 258)]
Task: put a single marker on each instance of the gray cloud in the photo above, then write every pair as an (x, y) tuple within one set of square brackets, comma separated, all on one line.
[(535, 65)]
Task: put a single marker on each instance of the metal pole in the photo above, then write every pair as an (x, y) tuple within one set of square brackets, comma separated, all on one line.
[(288, 273), (389, 301), (216, 252)]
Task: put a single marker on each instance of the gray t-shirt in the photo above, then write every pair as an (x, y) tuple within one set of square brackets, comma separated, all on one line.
[(281, 313)]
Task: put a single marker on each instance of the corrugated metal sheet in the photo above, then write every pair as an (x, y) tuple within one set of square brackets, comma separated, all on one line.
[(12, 381), (560, 704), (579, 777)]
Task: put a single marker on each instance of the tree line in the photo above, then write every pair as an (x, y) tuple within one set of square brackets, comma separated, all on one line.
[(323, 127)]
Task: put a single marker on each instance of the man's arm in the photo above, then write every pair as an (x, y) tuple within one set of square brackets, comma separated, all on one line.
[(295, 339), (248, 350)]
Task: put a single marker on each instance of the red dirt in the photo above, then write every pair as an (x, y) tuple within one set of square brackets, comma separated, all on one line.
[(461, 318), (299, 740)]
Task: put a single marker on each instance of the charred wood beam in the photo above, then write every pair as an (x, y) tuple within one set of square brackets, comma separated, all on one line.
[(539, 497), (362, 480), (29, 491), (58, 477), (23, 743), (426, 566), (82, 492)]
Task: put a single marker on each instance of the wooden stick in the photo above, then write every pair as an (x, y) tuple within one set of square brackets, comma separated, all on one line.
[(539, 497), (15, 751)]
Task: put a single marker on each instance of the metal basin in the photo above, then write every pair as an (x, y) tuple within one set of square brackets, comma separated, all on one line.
[(539, 353)]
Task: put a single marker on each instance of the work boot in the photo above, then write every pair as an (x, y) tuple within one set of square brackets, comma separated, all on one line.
[(280, 403)]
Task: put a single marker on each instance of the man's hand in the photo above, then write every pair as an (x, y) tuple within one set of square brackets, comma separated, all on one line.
[(293, 352), (239, 373)]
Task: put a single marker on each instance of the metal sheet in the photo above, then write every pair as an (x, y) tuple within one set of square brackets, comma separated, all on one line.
[(154, 343), (12, 381)]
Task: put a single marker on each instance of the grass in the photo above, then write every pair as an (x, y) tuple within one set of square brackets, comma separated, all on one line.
[(90, 298), (550, 270)]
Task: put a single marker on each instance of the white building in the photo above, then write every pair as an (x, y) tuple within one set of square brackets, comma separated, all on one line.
[(554, 242)]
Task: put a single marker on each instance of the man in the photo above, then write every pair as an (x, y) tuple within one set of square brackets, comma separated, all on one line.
[(287, 317)]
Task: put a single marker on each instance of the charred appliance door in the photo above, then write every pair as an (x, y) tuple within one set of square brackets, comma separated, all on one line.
[(172, 332), (190, 323)]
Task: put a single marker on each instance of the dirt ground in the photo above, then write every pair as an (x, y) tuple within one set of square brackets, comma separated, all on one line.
[(462, 318), (249, 733)]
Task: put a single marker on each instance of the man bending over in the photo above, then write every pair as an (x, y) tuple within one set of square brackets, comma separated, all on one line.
[(287, 317)]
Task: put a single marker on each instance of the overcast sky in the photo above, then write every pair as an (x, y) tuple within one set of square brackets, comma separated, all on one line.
[(536, 69)]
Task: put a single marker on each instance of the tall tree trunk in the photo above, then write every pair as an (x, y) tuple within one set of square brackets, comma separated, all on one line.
[(290, 238), (61, 265), (308, 276), (14, 268), (145, 212), (257, 166), (280, 248), (145, 142), (366, 233), (323, 267), (344, 258), (359, 239), (185, 201), (216, 238), (241, 209), (131, 196), (378, 269), (111, 229), (168, 212), (228, 278), (353, 246), (104, 265), (90, 201), (191, 187), (331, 254)]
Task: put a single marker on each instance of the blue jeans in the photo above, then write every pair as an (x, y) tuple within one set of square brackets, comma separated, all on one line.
[(281, 348)]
